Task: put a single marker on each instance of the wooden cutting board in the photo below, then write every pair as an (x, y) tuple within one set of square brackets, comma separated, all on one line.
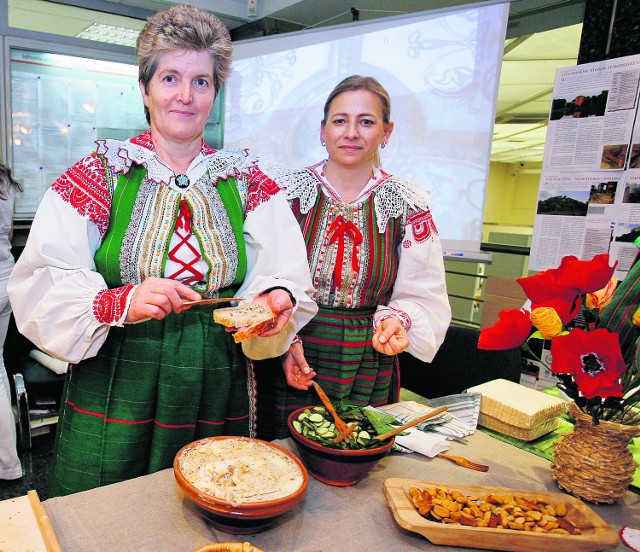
[(26, 526), (596, 533)]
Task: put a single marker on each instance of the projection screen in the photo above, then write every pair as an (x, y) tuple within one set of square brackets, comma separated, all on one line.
[(441, 70)]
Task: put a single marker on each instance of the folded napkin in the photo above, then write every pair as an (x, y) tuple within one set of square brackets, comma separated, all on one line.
[(460, 420), (416, 440), (465, 409)]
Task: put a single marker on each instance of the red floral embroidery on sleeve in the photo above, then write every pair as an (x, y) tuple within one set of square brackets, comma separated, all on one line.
[(109, 304), (422, 225), (261, 189), (84, 186)]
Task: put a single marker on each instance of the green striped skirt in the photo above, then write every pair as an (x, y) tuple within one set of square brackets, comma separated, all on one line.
[(153, 388), (337, 345)]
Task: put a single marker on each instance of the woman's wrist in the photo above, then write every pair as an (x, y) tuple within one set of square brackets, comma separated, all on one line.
[(267, 291), (389, 312)]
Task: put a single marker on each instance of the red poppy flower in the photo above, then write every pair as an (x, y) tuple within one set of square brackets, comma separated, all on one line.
[(509, 332), (572, 278), (586, 276), (544, 285), (593, 358)]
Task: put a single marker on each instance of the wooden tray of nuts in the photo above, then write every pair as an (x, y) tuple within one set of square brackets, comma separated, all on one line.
[(497, 518)]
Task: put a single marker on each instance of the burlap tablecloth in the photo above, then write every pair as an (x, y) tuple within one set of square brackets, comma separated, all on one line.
[(150, 514)]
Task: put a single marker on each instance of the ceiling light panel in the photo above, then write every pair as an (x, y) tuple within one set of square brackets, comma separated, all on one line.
[(65, 20), (110, 34)]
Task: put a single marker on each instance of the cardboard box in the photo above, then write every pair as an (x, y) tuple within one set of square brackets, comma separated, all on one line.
[(500, 293)]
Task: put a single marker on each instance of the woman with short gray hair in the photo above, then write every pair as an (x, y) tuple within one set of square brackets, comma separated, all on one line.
[(130, 234)]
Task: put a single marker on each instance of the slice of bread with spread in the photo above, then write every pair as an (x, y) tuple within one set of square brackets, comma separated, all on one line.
[(251, 318)]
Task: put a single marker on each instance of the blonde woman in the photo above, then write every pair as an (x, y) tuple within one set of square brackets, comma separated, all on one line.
[(375, 259)]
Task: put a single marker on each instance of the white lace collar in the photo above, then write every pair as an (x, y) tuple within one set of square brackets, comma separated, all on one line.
[(391, 194), (376, 178), (120, 155)]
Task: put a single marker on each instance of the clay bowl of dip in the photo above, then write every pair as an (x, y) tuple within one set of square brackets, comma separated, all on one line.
[(333, 466), (240, 485)]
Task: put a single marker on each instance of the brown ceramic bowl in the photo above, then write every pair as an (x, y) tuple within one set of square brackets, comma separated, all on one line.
[(229, 547), (240, 516), (337, 467)]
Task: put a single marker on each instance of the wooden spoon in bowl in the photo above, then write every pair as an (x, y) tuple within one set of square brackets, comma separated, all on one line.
[(411, 423), (345, 430)]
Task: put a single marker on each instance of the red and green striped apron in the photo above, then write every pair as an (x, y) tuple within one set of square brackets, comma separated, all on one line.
[(154, 386), (337, 342)]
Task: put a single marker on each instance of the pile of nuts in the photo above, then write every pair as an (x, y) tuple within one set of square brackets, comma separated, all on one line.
[(536, 514)]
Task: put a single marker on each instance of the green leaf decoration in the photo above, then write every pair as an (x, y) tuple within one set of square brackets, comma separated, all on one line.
[(381, 421)]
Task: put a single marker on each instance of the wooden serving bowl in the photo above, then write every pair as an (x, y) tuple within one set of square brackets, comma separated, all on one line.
[(239, 518), (337, 467)]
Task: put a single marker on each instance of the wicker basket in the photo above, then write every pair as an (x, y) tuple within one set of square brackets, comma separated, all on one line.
[(229, 547), (594, 462)]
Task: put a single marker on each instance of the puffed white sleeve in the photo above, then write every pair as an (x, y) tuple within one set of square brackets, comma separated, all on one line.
[(276, 257), (55, 292), (419, 296)]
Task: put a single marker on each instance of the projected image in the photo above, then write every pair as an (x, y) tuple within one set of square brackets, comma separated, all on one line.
[(441, 72)]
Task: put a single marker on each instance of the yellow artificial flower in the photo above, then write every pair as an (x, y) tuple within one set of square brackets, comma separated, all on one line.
[(547, 321), (600, 299), (636, 317)]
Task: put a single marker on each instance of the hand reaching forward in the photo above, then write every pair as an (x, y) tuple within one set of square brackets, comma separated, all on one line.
[(296, 369), (157, 297), (390, 337), (279, 302)]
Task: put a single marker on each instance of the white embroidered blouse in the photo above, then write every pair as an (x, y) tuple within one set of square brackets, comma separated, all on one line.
[(63, 305), (418, 297)]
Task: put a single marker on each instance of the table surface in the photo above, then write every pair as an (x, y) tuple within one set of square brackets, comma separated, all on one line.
[(150, 512)]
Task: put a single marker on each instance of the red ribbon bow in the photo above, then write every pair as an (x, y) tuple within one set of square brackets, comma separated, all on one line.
[(184, 216), (337, 231)]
